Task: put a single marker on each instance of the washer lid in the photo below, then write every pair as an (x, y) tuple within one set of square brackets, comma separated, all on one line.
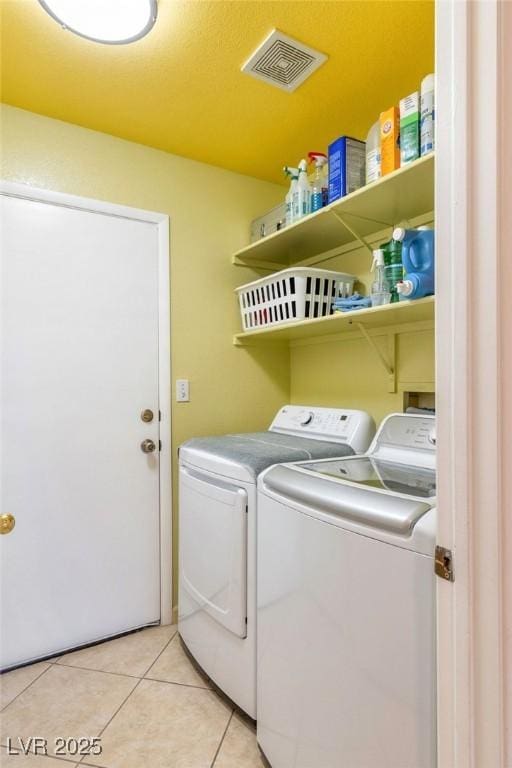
[(372, 472), (244, 456), (345, 501)]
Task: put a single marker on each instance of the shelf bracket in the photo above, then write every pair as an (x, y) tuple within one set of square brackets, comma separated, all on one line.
[(352, 231), (390, 367)]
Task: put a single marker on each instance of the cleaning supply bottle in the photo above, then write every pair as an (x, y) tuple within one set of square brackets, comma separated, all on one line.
[(293, 174), (418, 262), (393, 266), (409, 128), (319, 185), (373, 169), (428, 114), (380, 293), (302, 193), (389, 140)]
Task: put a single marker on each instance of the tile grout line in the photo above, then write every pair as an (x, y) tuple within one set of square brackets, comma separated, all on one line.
[(26, 688), (136, 677), (222, 739), (82, 761), (163, 649), (87, 669), (100, 733), (108, 672), (103, 671), (183, 685)]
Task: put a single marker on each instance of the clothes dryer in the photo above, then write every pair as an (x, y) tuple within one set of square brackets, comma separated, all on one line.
[(217, 549)]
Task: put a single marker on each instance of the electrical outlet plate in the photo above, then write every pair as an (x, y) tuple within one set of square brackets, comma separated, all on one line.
[(182, 391)]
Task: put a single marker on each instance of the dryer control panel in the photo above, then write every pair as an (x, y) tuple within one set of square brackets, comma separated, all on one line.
[(340, 425)]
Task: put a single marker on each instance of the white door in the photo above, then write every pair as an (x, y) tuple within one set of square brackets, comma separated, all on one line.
[(79, 310)]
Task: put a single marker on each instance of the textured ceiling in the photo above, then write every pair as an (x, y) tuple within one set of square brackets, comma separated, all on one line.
[(180, 88)]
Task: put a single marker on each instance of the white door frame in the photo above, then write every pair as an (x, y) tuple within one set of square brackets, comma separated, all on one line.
[(161, 221), (473, 338)]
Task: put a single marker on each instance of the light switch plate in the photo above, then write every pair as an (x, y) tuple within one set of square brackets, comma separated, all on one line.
[(182, 391)]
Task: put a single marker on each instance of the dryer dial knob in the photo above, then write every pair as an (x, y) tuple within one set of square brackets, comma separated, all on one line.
[(305, 418)]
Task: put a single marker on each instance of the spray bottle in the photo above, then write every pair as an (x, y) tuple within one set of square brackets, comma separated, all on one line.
[(380, 293), (319, 186), (302, 193), (293, 173)]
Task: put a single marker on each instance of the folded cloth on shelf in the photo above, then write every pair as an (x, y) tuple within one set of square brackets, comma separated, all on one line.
[(356, 301)]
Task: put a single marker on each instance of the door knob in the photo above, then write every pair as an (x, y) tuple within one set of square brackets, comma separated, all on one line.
[(148, 446), (7, 523)]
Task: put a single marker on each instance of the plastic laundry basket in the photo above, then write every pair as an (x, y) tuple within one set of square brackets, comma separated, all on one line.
[(293, 294)]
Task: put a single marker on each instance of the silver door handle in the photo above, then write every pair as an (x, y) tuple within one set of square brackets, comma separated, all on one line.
[(148, 446)]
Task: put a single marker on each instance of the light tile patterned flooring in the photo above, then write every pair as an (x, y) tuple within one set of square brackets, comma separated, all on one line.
[(141, 694)]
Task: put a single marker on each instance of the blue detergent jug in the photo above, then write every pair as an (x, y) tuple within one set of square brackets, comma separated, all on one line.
[(418, 262)]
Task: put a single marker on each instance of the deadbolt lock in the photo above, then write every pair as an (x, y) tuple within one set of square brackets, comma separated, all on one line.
[(148, 446), (147, 415), (7, 523)]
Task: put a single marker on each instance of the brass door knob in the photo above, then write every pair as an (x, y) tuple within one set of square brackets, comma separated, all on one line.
[(148, 446), (7, 523)]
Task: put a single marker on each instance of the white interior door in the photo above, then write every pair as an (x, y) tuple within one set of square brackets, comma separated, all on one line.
[(79, 311)]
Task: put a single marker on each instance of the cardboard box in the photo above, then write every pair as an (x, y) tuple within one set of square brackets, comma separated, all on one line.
[(389, 140), (409, 128), (346, 167)]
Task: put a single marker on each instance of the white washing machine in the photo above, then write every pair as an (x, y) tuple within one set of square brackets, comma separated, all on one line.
[(217, 545), (346, 606)]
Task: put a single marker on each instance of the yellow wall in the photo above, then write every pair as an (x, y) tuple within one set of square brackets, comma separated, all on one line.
[(210, 211), (346, 371), (348, 374)]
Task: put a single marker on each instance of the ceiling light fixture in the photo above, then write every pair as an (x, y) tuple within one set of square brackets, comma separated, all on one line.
[(104, 21)]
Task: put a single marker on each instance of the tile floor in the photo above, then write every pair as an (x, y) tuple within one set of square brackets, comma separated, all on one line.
[(141, 694)]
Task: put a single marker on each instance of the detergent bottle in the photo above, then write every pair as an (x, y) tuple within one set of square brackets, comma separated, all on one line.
[(293, 174), (302, 193), (319, 186), (418, 262)]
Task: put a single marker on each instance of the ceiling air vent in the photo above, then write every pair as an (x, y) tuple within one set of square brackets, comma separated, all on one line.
[(282, 61)]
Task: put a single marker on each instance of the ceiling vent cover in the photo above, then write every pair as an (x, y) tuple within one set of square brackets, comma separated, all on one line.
[(282, 61)]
